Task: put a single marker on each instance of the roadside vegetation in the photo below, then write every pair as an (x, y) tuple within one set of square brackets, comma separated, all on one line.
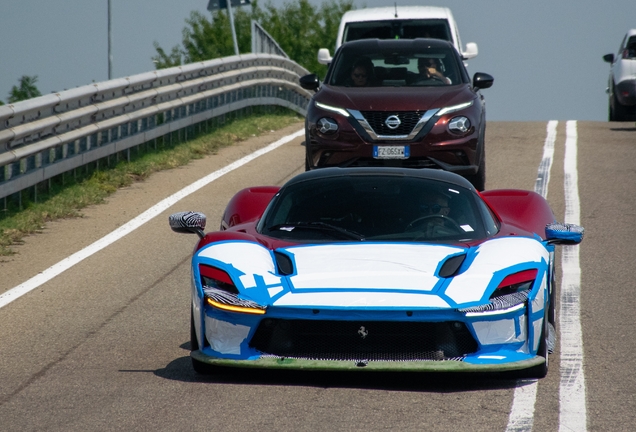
[(67, 194), (298, 27), (26, 90)]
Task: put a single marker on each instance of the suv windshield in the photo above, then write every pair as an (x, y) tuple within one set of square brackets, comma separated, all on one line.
[(376, 208), (397, 29), (390, 66)]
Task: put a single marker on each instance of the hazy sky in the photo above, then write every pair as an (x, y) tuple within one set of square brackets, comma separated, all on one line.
[(546, 56)]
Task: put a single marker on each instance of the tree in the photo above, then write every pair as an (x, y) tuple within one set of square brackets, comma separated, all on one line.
[(27, 89), (298, 27)]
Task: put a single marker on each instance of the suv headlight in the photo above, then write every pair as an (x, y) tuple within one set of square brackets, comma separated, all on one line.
[(454, 108), (327, 126), (459, 124)]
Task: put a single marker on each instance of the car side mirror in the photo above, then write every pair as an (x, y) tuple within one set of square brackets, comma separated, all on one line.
[(609, 58), (471, 51), (310, 82), (188, 222), (324, 57), (482, 80), (564, 233)]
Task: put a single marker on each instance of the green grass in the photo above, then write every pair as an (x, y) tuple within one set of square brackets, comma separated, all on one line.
[(67, 194)]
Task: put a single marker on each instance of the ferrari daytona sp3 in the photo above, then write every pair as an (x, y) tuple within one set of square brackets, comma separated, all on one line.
[(376, 269)]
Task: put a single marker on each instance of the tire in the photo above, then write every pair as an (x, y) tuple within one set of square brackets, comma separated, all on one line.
[(618, 112), (307, 156), (307, 166), (540, 371), (610, 110), (199, 367), (552, 307), (479, 179)]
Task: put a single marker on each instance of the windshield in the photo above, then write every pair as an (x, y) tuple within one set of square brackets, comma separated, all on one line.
[(397, 29), (412, 65), (377, 208)]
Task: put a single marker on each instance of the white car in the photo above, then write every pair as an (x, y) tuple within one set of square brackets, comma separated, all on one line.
[(400, 22), (622, 80)]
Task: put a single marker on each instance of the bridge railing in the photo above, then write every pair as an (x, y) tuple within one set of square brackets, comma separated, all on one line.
[(49, 135)]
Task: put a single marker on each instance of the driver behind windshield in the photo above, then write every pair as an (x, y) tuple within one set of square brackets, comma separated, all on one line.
[(430, 68)]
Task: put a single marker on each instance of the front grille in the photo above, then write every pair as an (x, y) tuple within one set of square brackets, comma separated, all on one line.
[(377, 119), (363, 340), (402, 163)]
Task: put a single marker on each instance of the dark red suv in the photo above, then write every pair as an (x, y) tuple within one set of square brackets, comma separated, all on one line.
[(408, 103)]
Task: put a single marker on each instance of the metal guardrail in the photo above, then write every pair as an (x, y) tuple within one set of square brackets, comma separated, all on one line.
[(263, 42), (46, 136)]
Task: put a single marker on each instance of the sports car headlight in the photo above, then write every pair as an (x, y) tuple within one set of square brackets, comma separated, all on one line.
[(215, 278), (510, 295), (333, 109), (221, 293), (514, 283), (454, 108)]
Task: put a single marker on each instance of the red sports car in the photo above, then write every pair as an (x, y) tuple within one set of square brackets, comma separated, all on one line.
[(400, 103)]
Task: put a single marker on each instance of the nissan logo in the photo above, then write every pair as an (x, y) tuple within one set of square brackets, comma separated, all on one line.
[(392, 122)]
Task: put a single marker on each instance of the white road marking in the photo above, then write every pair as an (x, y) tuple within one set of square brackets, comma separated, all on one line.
[(48, 274), (572, 414), (521, 416), (543, 175)]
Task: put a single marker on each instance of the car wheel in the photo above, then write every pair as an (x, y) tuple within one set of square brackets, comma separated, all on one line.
[(307, 158), (541, 370), (307, 166), (479, 179), (199, 367), (551, 308), (620, 112)]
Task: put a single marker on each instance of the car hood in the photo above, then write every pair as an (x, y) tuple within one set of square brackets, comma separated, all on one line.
[(394, 98), (373, 275)]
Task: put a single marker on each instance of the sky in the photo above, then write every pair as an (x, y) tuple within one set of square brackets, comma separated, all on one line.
[(545, 55)]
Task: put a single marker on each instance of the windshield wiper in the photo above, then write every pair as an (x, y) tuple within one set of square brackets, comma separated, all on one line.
[(321, 226)]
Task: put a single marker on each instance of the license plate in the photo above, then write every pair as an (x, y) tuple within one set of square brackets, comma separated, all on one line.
[(391, 152)]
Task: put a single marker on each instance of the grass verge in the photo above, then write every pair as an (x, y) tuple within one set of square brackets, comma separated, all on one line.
[(65, 195)]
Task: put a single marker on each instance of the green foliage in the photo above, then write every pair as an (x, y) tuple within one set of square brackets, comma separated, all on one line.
[(298, 27), (27, 89)]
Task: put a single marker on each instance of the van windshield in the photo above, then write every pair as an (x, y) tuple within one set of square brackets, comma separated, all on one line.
[(398, 29)]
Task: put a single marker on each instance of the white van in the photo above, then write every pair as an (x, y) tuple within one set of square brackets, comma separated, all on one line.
[(399, 22)]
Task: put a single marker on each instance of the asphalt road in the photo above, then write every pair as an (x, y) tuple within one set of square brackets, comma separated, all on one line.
[(105, 344)]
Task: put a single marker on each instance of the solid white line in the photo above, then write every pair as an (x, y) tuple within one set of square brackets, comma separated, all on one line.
[(572, 414), (48, 274), (521, 416), (543, 175)]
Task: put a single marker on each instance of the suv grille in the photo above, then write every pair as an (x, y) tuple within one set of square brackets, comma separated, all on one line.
[(377, 119), (364, 340)]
